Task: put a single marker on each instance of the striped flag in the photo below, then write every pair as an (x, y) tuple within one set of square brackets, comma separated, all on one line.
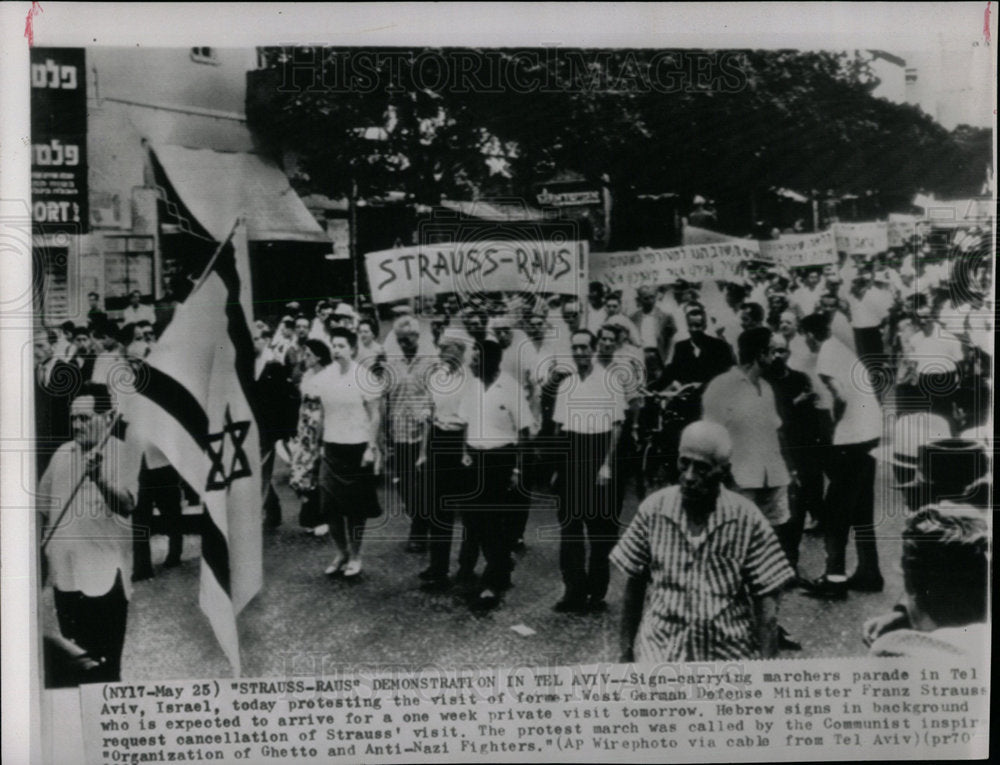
[(193, 403)]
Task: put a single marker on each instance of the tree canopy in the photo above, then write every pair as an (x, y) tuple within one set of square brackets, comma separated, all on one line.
[(469, 123)]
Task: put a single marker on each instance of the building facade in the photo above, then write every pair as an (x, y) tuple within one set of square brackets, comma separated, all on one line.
[(163, 163)]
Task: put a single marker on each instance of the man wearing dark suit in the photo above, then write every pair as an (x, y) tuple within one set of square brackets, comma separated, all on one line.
[(278, 409), (701, 357), (655, 327), (698, 359), (83, 352), (56, 382)]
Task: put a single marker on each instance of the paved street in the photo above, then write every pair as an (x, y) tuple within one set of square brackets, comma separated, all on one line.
[(302, 622)]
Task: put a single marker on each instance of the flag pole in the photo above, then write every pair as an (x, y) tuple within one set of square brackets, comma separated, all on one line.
[(76, 489), (215, 256)]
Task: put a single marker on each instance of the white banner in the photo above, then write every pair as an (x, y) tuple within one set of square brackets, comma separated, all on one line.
[(862, 238), (695, 263), (696, 235), (801, 250), (475, 267)]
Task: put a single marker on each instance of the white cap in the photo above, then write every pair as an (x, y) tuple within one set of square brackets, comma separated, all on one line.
[(345, 309)]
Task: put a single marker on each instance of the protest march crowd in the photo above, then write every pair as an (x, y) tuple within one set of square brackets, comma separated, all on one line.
[(741, 413)]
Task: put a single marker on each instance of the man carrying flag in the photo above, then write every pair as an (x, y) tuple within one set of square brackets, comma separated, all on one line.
[(193, 402), (88, 541)]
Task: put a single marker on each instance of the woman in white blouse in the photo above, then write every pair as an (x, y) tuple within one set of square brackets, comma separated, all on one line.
[(351, 420)]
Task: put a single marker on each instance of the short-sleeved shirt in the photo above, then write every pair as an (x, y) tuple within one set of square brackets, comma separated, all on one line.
[(751, 416), (448, 388), (862, 418), (495, 415), (871, 309), (699, 602), (590, 405), (92, 543), (343, 396), (806, 299), (936, 353), (140, 313), (408, 397)]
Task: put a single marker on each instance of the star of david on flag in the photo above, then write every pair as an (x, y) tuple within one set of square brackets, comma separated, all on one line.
[(194, 405)]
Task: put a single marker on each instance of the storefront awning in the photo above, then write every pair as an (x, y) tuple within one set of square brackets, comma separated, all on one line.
[(217, 187)]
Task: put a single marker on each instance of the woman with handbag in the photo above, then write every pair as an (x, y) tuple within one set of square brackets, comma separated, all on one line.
[(309, 441), (351, 419)]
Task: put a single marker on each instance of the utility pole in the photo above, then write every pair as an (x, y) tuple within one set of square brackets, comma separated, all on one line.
[(352, 238)]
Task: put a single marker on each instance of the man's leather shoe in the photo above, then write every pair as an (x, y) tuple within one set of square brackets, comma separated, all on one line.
[(597, 606), (786, 641), (487, 600), (570, 606), (821, 587), (865, 583), (430, 574), (441, 584)]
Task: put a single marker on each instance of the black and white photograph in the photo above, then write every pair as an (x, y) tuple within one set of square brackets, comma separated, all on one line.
[(386, 357)]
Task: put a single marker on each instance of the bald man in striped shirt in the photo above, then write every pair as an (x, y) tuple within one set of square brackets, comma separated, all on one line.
[(704, 569)]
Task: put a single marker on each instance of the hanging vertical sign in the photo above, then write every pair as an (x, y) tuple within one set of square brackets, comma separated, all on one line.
[(59, 141)]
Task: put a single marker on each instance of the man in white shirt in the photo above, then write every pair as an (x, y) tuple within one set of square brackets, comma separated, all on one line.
[(110, 354), (90, 549), (613, 310), (136, 311), (742, 401), (850, 497), (868, 308), (932, 355), (441, 459), (318, 328), (655, 328), (589, 412), (493, 407), (595, 306), (840, 326), (805, 299)]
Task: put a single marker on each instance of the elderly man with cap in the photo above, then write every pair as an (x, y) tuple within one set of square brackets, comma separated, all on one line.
[(704, 570), (441, 458), (345, 316), (407, 407)]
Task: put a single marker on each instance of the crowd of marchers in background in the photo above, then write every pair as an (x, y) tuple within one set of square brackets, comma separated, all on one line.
[(742, 415)]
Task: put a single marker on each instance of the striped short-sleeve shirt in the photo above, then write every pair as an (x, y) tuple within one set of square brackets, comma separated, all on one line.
[(699, 600)]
